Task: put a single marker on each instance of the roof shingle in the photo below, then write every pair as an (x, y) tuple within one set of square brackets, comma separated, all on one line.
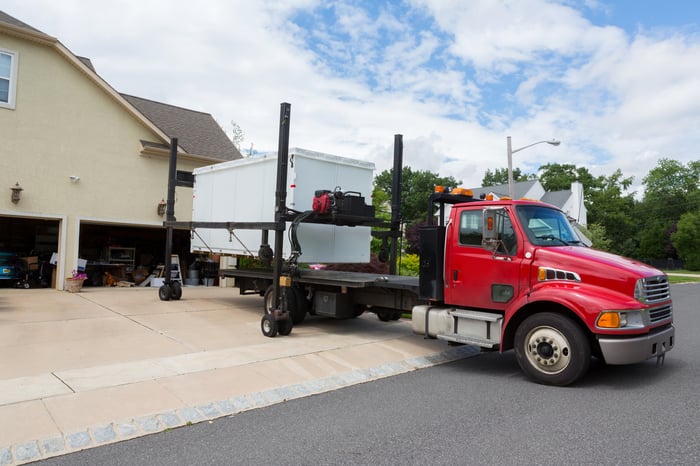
[(5, 18), (196, 132)]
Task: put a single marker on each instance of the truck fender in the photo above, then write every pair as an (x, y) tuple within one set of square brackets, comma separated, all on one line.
[(580, 301)]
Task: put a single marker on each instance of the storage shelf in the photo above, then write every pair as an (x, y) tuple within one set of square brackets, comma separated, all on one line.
[(122, 256)]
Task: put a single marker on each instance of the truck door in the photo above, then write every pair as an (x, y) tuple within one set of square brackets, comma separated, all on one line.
[(481, 274)]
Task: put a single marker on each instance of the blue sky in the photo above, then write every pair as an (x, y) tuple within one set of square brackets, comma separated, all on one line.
[(618, 82)]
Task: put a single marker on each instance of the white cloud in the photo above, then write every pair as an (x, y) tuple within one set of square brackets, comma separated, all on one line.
[(454, 85)]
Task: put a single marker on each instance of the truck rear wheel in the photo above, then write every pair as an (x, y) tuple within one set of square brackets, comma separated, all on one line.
[(552, 349)]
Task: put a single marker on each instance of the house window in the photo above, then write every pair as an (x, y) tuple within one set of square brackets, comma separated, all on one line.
[(8, 78)]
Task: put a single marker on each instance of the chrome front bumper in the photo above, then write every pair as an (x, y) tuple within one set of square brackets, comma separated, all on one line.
[(633, 350)]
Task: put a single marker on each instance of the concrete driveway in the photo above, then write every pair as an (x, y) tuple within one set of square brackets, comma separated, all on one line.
[(107, 364)]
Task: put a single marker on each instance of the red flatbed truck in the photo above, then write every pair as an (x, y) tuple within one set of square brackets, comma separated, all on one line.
[(500, 275), (512, 274)]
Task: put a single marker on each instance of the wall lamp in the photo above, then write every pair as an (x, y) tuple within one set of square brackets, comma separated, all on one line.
[(16, 193), (74, 178), (161, 207)]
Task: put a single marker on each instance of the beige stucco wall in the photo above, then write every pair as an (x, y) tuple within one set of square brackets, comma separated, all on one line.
[(64, 125)]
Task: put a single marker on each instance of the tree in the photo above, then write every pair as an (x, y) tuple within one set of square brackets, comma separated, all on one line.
[(416, 188), (597, 235), (686, 239), (500, 176), (611, 209), (671, 190), (671, 178), (558, 177)]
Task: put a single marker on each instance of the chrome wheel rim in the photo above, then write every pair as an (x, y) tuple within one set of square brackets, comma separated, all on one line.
[(547, 350)]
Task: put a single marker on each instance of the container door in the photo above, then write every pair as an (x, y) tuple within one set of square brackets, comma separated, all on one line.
[(482, 274)]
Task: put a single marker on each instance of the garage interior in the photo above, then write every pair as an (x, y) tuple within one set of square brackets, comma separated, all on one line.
[(118, 254), (114, 254), (33, 241)]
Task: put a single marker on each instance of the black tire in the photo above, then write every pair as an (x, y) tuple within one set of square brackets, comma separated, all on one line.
[(301, 306), (268, 325), (175, 290), (164, 292), (552, 349), (385, 315), (297, 305), (284, 327), (268, 305), (359, 310)]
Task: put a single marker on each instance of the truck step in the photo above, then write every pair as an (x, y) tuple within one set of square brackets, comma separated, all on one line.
[(476, 315), (463, 339)]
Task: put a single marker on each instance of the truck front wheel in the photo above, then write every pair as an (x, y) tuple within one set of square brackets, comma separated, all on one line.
[(552, 349)]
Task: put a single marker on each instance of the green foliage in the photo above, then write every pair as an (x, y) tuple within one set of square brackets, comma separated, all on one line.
[(557, 177), (249, 262), (416, 187), (671, 190), (409, 265), (686, 239), (597, 235), (500, 176), (672, 179), (675, 279), (381, 200), (610, 208), (652, 241)]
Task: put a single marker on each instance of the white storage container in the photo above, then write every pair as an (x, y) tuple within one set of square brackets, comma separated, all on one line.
[(244, 191)]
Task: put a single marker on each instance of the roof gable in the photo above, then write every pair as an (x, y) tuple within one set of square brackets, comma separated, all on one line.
[(5, 18), (557, 198), (196, 132)]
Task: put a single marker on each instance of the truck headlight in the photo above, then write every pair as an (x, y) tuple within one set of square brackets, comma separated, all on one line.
[(640, 291), (620, 319)]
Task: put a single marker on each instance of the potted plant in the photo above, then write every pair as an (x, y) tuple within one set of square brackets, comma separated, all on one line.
[(74, 283)]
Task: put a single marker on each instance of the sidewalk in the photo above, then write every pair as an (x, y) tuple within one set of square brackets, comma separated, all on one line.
[(85, 369)]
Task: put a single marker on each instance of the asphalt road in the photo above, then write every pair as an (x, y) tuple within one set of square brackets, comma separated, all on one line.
[(477, 411)]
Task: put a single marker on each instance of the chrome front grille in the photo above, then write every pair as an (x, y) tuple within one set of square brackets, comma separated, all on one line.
[(656, 289), (660, 313)]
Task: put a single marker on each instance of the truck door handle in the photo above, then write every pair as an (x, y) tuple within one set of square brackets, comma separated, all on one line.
[(454, 275)]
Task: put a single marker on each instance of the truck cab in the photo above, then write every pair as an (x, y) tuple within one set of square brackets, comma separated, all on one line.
[(513, 274)]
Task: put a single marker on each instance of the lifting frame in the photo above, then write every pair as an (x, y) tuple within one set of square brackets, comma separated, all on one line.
[(173, 289)]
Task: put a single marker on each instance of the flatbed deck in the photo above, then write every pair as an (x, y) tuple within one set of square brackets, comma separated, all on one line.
[(335, 278)]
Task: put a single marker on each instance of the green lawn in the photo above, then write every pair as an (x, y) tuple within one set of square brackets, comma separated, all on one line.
[(672, 278)]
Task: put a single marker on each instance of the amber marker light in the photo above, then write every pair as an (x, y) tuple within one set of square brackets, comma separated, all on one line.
[(609, 320)]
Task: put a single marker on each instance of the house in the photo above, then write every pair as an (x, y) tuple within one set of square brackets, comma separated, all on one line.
[(85, 167), (570, 200)]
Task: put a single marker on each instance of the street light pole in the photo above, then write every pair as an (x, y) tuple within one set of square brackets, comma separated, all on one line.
[(512, 151)]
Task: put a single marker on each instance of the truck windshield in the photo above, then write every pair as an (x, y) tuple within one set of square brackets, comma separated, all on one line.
[(545, 226)]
